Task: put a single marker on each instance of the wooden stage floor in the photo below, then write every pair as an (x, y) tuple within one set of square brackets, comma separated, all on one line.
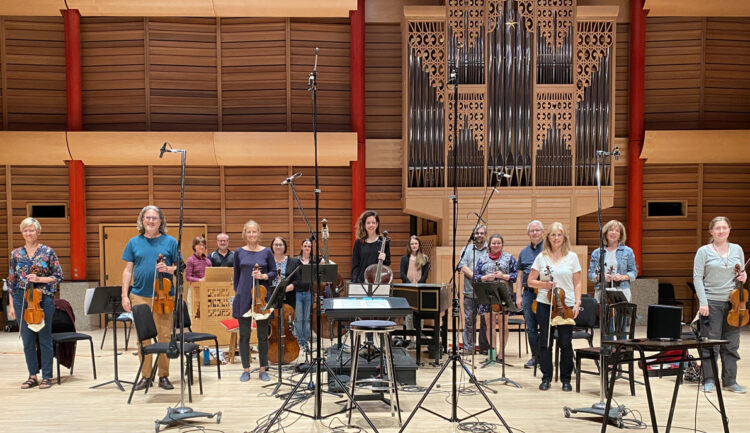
[(73, 407)]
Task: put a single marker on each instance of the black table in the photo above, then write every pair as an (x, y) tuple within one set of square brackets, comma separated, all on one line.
[(625, 348)]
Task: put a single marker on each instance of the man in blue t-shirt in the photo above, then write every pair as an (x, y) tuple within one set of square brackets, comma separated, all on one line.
[(526, 295), (140, 255)]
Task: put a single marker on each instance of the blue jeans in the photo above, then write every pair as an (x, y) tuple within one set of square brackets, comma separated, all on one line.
[(30, 337), (302, 316), (529, 317)]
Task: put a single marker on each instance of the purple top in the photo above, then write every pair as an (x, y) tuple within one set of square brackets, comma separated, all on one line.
[(195, 267), (244, 262)]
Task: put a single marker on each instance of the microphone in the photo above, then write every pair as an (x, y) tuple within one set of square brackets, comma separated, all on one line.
[(163, 149), (315, 66), (501, 174), (615, 152), (291, 178)]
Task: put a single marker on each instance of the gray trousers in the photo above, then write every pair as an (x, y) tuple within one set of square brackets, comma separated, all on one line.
[(715, 327), (470, 313)]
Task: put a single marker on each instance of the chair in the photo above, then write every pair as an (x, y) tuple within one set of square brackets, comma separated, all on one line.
[(145, 329), (694, 296), (667, 296), (127, 322), (195, 337), (64, 331), (622, 318), (517, 324)]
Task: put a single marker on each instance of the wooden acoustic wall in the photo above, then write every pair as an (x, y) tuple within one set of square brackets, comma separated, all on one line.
[(383, 85), (223, 198)]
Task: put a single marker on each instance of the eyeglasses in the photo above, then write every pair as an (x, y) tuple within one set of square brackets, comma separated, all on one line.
[(535, 231), (151, 218)]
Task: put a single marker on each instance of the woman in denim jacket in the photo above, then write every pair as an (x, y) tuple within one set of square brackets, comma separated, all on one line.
[(619, 261)]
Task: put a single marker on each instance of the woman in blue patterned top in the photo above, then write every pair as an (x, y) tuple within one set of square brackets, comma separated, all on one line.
[(34, 266), (496, 266), (245, 259)]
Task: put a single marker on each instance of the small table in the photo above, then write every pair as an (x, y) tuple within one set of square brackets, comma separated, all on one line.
[(623, 348)]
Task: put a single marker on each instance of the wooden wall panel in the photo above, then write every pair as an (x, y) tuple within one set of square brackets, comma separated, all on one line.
[(114, 195), (113, 74), (334, 78), (674, 53), (182, 74), (383, 85), (4, 247), (35, 65), (253, 74), (622, 71), (384, 196), (725, 193), (42, 185), (727, 74)]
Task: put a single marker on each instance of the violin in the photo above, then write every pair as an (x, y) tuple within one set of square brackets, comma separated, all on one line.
[(738, 315), (379, 273), (331, 290), (258, 300), (284, 336), (33, 314), (496, 308), (560, 314), (163, 302)]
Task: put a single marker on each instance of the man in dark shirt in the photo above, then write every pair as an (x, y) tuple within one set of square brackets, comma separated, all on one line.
[(525, 295), (222, 256)]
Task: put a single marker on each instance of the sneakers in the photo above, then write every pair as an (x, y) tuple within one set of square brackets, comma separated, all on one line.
[(708, 387), (245, 376), (735, 388), (530, 363), (264, 376)]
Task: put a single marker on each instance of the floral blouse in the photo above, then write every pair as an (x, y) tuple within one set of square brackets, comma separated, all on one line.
[(44, 259)]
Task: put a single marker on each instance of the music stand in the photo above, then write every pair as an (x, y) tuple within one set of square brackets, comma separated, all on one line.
[(108, 300), (326, 273), (497, 292), (277, 302), (614, 296)]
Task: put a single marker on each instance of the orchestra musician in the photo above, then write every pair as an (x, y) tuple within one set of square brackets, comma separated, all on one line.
[(195, 267), (618, 257), (496, 266), (415, 268), (714, 278), (34, 266), (565, 268), (366, 250), (245, 259), (141, 255), (222, 256), (303, 307), (471, 254), (526, 295), (284, 265)]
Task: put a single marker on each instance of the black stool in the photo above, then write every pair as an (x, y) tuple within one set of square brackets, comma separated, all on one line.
[(384, 328)]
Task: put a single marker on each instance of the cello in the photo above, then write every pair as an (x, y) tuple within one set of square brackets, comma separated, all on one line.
[(284, 336), (379, 273), (738, 315), (331, 290), (163, 302)]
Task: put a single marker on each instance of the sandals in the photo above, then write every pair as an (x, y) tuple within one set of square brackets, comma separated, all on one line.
[(45, 384), (30, 383)]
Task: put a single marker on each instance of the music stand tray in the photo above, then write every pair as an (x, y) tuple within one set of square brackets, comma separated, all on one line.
[(108, 300), (495, 292), (328, 273)]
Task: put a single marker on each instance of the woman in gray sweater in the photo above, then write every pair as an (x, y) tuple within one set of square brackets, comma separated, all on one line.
[(714, 278)]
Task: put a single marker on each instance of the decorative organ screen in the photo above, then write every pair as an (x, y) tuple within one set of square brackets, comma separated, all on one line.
[(534, 94)]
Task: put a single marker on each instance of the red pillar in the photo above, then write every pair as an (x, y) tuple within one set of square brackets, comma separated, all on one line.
[(76, 179), (635, 114), (73, 68), (357, 25)]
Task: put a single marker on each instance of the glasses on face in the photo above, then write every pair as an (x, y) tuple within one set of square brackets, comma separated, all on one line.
[(151, 218), (535, 230)]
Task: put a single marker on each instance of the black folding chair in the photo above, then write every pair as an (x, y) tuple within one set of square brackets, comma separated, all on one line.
[(64, 331), (195, 337), (145, 328)]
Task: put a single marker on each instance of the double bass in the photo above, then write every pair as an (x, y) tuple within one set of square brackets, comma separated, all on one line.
[(738, 315), (379, 273), (331, 290), (284, 336)]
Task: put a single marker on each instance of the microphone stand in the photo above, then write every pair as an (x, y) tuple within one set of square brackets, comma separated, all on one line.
[(318, 362), (616, 413), (277, 301), (454, 359), (181, 412)]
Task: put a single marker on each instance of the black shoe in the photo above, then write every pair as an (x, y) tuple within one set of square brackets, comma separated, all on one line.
[(566, 387), (544, 385), (141, 385), (164, 383)]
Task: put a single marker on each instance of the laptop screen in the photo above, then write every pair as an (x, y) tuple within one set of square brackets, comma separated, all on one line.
[(664, 322)]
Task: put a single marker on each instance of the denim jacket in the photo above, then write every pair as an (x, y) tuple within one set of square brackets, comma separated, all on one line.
[(625, 265)]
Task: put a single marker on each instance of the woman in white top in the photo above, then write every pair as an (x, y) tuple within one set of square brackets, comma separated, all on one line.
[(714, 278), (556, 266)]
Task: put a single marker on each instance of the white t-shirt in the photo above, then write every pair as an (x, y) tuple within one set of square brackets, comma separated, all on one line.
[(610, 262), (562, 273)]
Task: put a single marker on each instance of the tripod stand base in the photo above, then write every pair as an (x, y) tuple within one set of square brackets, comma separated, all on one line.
[(615, 413), (503, 380), (117, 382), (178, 415)]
